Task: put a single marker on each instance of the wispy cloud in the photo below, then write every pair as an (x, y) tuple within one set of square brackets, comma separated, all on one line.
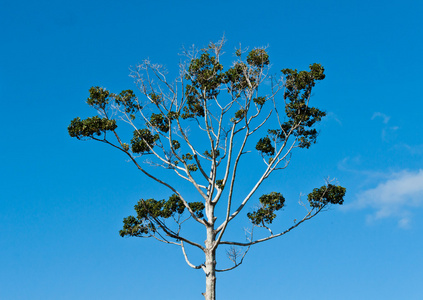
[(333, 116), (411, 149), (388, 132), (384, 117), (394, 197), (353, 166)]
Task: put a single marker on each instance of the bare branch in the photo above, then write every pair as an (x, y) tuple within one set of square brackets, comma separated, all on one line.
[(187, 260), (307, 217)]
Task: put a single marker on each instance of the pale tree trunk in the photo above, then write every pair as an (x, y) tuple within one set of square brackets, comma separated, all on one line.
[(210, 253), (210, 276)]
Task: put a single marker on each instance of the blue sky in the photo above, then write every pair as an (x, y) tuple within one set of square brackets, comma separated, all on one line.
[(63, 201)]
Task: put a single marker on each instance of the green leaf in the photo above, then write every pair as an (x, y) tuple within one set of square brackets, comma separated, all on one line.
[(270, 203), (260, 100), (176, 145), (258, 58), (89, 127), (143, 140), (99, 97), (160, 121), (129, 102), (192, 167), (240, 114), (151, 212), (187, 156), (327, 194), (156, 98), (264, 145), (219, 184)]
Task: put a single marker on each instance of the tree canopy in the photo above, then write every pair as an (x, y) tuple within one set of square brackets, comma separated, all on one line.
[(201, 127)]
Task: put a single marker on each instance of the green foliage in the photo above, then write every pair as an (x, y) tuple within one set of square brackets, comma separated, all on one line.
[(210, 155), (270, 203), (299, 84), (264, 145), (327, 194), (133, 227), (192, 167), (258, 58), (89, 127), (159, 121), (219, 184), (236, 78), (176, 145), (197, 208), (99, 97), (156, 98), (301, 117), (205, 74), (260, 100), (187, 156), (151, 212), (195, 107), (172, 115), (143, 140), (173, 205), (240, 114), (129, 101)]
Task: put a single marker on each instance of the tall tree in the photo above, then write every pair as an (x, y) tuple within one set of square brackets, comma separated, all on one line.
[(202, 127)]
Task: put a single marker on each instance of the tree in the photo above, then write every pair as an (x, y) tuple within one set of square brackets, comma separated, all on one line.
[(232, 110)]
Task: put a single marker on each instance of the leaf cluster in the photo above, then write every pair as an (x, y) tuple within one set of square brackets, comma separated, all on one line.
[(128, 100), (89, 127), (258, 58), (99, 97), (327, 194), (270, 203), (299, 86), (264, 146), (219, 184), (212, 154), (236, 78), (301, 117), (205, 75), (260, 100), (151, 214), (160, 121), (143, 140), (156, 98)]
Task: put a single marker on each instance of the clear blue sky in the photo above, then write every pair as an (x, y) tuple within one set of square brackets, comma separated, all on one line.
[(62, 201)]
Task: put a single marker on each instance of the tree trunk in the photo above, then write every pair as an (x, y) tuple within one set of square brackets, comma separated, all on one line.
[(210, 269), (210, 276)]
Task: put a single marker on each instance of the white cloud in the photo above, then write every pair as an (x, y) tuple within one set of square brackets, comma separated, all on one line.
[(388, 132), (394, 197), (412, 149), (381, 115), (332, 116)]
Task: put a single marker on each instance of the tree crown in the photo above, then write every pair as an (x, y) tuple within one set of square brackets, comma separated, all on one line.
[(231, 107)]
